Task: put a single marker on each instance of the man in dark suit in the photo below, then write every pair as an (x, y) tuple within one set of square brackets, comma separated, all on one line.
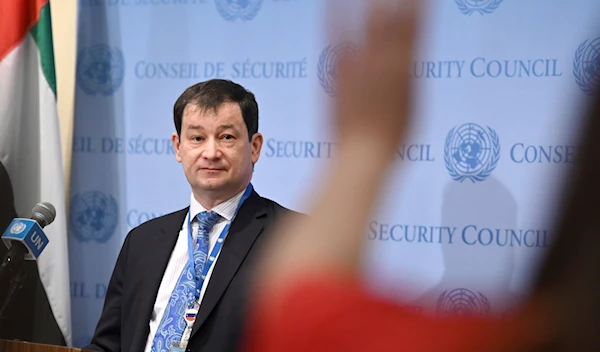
[(181, 280)]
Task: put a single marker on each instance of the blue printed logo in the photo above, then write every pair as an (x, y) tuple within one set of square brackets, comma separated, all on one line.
[(483, 7), (17, 228), (245, 10), (94, 216), (586, 65), (463, 302), (471, 152), (100, 69), (327, 69)]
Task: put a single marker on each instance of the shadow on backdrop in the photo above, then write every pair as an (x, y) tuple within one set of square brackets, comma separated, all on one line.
[(478, 262)]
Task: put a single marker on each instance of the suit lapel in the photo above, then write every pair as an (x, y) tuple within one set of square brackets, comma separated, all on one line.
[(158, 246), (243, 232)]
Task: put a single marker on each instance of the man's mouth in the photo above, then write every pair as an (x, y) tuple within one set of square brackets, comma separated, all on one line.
[(212, 169)]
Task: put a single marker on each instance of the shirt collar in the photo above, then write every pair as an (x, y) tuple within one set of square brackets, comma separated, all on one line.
[(225, 209)]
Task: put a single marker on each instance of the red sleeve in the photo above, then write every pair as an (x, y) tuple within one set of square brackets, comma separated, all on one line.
[(337, 315)]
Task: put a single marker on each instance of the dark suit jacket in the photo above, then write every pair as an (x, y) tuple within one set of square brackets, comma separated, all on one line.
[(133, 287)]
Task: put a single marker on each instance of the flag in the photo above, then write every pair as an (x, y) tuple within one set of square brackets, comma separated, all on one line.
[(31, 168)]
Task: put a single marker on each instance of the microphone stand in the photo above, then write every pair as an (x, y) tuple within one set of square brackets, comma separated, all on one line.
[(14, 257), (16, 283)]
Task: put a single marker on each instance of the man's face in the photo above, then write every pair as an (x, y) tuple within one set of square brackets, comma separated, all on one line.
[(215, 150)]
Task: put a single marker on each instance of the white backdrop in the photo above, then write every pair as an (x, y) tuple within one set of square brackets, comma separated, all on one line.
[(464, 216)]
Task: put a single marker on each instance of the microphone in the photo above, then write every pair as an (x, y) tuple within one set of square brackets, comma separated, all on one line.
[(25, 238)]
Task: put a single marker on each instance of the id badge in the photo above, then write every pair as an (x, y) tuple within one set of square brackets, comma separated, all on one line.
[(176, 347), (189, 317)]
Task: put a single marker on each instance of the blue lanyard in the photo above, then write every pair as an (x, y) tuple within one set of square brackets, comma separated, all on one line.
[(215, 251)]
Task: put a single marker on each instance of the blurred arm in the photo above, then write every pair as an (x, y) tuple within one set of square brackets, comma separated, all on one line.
[(371, 117)]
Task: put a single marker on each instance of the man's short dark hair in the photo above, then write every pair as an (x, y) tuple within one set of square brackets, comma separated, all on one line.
[(211, 95)]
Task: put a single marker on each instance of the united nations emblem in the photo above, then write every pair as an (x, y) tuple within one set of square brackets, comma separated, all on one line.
[(462, 302), (245, 10), (17, 228), (327, 69), (471, 152), (483, 7), (586, 66), (94, 216), (100, 69)]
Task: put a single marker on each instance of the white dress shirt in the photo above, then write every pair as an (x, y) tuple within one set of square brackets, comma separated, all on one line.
[(180, 257)]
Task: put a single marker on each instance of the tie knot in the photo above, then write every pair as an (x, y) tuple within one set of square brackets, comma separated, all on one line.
[(206, 220)]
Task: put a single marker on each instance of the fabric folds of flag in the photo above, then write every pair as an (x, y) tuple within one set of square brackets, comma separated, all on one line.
[(31, 168)]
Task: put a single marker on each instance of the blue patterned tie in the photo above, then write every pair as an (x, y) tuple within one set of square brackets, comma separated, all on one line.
[(172, 324)]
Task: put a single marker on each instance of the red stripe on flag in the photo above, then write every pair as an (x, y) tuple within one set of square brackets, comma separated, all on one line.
[(16, 19)]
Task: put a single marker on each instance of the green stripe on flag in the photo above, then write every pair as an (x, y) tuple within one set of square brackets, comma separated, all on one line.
[(42, 34)]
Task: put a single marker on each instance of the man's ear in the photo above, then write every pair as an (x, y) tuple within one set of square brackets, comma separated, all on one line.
[(257, 142), (176, 145)]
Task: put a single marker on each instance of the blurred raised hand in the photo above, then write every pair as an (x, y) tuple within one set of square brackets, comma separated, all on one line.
[(372, 111), (374, 81)]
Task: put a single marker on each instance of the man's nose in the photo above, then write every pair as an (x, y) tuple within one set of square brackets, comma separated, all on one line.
[(211, 149)]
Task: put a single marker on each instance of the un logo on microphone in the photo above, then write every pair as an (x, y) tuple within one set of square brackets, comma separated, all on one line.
[(94, 216), (471, 152), (483, 7), (462, 302), (328, 65), (586, 66), (100, 69), (245, 10), (18, 228)]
